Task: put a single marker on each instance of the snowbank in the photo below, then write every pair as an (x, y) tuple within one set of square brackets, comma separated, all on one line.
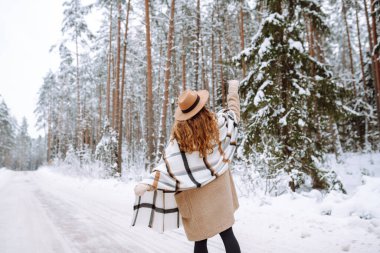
[(84, 214)]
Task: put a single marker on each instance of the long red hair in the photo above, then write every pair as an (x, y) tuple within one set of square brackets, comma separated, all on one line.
[(199, 133)]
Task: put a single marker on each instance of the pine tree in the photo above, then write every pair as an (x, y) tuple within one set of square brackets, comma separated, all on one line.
[(75, 26), (6, 133), (283, 78), (22, 157), (121, 104), (167, 77), (38, 152), (375, 10), (149, 95), (106, 150)]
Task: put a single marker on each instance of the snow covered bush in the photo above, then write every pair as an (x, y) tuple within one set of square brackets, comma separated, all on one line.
[(106, 150)]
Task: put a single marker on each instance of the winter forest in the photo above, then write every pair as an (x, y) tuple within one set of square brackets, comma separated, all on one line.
[(309, 73)]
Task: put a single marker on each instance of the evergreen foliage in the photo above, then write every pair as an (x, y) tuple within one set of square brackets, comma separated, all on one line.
[(106, 150), (22, 152), (304, 94), (6, 133), (288, 97)]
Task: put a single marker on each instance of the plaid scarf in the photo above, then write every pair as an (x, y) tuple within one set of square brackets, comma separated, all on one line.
[(179, 171)]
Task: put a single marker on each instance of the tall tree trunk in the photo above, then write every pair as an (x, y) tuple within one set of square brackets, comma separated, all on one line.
[(221, 71), (344, 10), (368, 26), (59, 130), (131, 137), (167, 77), (138, 130), (313, 101), (197, 36), (117, 83), (49, 135), (159, 72), (108, 103), (360, 49), (213, 62), (204, 82), (374, 76), (242, 34), (78, 126), (177, 81), (113, 106), (129, 118), (149, 86), (120, 136), (377, 63), (127, 115), (98, 132), (183, 59)]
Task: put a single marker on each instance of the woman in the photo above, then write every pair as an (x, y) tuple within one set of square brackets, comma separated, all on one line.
[(194, 171)]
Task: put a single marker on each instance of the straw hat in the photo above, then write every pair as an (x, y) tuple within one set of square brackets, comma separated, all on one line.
[(190, 102)]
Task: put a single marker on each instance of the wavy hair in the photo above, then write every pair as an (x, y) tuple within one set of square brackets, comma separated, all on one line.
[(199, 133)]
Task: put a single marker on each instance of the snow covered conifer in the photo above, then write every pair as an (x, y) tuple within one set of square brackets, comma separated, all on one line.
[(6, 133), (106, 150), (22, 156), (286, 92), (75, 27)]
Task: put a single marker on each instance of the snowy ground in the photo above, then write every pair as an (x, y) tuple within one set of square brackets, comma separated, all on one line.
[(46, 211)]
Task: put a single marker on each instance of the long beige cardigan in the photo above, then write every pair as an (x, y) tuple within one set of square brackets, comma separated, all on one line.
[(209, 210)]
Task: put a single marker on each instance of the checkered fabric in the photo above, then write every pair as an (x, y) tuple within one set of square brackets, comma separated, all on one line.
[(179, 171)]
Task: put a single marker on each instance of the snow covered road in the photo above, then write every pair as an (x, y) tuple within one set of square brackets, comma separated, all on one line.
[(44, 211), (47, 212)]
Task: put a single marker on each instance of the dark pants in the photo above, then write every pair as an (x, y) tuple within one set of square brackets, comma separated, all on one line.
[(229, 241)]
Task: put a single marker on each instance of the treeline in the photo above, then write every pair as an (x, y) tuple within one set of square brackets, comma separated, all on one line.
[(309, 69), (18, 150), (126, 76)]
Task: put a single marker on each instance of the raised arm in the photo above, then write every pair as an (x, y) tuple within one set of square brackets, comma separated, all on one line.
[(233, 101)]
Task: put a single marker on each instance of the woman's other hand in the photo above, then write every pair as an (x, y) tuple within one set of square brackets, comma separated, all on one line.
[(140, 189)]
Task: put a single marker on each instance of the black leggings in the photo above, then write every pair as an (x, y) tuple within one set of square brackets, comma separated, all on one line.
[(229, 241)]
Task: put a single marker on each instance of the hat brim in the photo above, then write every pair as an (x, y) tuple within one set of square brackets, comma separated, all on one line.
[(180, 116)]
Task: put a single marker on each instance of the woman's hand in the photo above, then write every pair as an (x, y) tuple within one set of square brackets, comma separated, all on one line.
[(233, 86), (140, 189), (233, 101)]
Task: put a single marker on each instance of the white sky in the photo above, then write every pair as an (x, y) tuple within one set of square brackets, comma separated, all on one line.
[(27, 31)]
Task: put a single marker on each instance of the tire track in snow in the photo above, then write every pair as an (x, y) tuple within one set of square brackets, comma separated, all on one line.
[(87, 231), (86, 214), (24, 224), (120, 221)]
